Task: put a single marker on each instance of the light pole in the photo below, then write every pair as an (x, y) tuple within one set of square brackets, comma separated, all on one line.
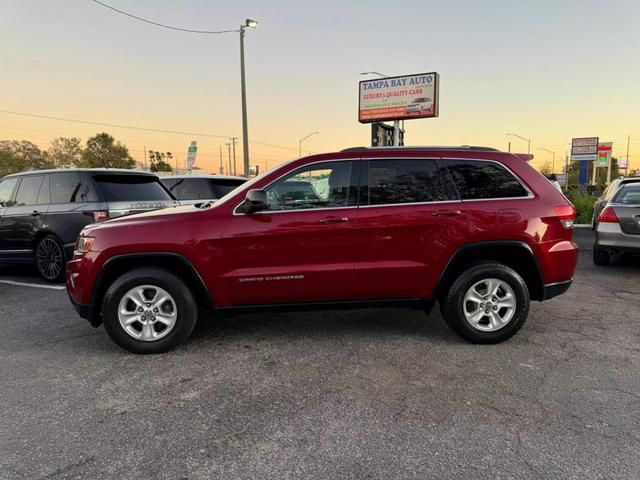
[(249, 23), (396, 123), (528, 140), (553, 164), (302, 140)]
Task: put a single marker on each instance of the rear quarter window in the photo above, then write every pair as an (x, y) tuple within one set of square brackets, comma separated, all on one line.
[(479, 180), (71, 187), (130, 188)]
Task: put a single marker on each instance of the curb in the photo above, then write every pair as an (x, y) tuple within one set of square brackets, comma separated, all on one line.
[(582, 225)]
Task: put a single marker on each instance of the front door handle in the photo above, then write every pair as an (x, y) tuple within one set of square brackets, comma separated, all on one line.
[(332, 220), (35, 213), (447, 213)]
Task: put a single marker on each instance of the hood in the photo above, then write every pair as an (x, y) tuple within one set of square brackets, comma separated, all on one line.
[(170, 214)]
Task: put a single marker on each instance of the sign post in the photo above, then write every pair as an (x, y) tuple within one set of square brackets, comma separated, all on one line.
[(191, 155), (584, 150)]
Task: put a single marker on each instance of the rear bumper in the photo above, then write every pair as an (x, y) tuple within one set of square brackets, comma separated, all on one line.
[(554, 289), (610, 236)]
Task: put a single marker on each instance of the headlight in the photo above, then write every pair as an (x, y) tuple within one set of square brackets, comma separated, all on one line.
[(83, 245)]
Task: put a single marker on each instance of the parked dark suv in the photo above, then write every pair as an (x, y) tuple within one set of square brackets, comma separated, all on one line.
[(193, 189), (43, 211), (478, 230)]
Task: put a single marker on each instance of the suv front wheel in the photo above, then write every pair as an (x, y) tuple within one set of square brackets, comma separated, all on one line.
[(149, 310), (488, 303)]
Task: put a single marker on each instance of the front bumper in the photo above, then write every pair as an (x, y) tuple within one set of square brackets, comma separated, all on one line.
[(88, 312)]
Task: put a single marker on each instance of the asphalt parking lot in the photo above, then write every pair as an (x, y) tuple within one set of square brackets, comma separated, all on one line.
[(374, 394)]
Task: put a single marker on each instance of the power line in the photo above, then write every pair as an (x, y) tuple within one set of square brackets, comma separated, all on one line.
[(130, 127), (113, 125), (170, 27)]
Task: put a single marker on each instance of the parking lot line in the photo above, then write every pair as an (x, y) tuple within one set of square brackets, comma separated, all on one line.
[(34, 285)]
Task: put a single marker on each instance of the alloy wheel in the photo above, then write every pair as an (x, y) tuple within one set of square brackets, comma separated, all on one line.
[(49, 259), (147, 313), (489, 304)]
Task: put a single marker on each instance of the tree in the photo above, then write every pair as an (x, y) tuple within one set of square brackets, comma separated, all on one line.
[(9, 162), (103, 151), (546, 169), (65, 152), (27, 154), (157, 161)]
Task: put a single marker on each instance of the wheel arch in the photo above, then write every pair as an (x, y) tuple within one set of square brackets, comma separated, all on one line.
[(515, 254), (173, 262)]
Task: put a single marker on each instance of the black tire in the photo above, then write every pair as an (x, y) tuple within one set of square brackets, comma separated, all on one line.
[(452, 307), (601, 257), (50, 259), (186, 310)]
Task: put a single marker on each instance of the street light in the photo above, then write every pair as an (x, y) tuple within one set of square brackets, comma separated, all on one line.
[(249, 23), (528, 140), (396, 123), (302, 140), (553, 164)]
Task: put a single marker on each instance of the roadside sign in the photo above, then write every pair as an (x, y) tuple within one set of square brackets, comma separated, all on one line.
[(622, 163), (584, 149), (191, 155), (399, 98), (561, 178), (604, 153)]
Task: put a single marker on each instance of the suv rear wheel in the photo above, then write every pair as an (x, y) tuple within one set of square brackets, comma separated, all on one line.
[(488, 303), (50, 259), (149, 310)]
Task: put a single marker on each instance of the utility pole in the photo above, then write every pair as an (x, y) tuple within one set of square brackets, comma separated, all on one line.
[(221, 170), (245, 128), (626, 168), (233, 143), (229, 150), (145, 157)]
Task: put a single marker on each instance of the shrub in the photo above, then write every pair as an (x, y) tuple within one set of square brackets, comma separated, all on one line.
[(583, 203)]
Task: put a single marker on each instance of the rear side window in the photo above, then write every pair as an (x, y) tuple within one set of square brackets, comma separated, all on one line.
[(406, 181), (477, 180), (193, 189), (28, 190), (71, 187), (130, 188), (6, 191)]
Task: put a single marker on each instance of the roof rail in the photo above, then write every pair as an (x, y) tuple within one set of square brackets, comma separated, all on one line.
[(428, 147)]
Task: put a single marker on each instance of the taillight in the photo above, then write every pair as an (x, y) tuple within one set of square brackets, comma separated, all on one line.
[(566, 214), (608, 215), (98, 215)]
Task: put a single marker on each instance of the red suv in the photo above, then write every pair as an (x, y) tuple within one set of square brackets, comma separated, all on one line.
[(476, 229)]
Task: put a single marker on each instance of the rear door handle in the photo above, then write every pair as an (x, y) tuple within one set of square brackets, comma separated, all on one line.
[(332, 220), (447, 213)]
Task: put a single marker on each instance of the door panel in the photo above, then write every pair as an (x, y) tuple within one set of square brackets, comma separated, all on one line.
[(408, 231), (23, 220), (302, 248), (290, 257)]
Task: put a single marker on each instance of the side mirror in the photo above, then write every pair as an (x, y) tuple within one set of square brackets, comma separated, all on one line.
[(255, 201)]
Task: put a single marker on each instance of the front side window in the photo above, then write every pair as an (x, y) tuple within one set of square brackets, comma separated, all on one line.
[(406, 181), (6, 191), (70, 187), (323, 185), (477, 180), (28, 190)]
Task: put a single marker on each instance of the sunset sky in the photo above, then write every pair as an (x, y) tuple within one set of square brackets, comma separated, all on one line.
[(547, 70)]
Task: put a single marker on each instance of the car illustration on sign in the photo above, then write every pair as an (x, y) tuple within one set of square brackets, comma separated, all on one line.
[(419, 106)]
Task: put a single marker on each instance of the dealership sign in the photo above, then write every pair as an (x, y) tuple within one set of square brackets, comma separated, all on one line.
[(399, 98), (604, 153), (584, 149)]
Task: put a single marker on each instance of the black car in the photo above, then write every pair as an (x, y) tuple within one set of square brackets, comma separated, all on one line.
[(194, 189), (43, 211)]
